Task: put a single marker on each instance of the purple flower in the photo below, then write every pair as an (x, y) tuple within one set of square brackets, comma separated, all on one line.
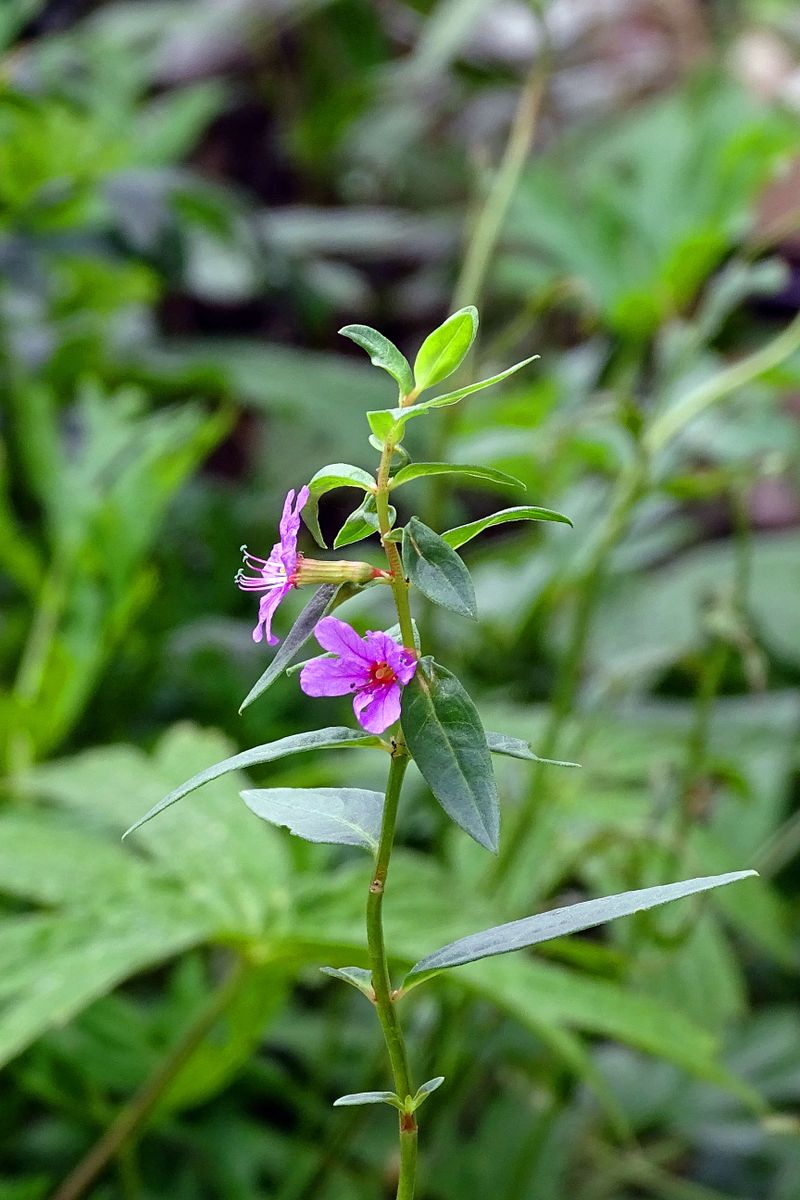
[(372, 667), (275, 575)]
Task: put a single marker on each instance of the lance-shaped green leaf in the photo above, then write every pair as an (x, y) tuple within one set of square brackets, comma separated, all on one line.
[(361, 523), (335, 816), (444, 350), (382, 353), (445, 737), (323, 600), (422, 470), (516, 935), (437, 570), (335, 475), (524, 512), (337, 736), (388, 423), (369, 1098), (423, 1091), (513, 747), (357, 977)]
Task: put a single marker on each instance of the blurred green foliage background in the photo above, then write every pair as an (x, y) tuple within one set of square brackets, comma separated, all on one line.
[(194, 196)]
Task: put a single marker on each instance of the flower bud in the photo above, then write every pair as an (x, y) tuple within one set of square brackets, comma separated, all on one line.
[(312, 570)]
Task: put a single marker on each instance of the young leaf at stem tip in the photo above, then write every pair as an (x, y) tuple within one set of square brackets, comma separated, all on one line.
[(389, 423), (445, 737), (437, 570), (382, 353), (517, 935), (425, 1090), (444, 350)]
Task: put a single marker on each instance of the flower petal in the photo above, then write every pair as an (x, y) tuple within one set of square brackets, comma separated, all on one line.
[(333, 677), (288, 517), (302, 500), (377, 707), (402, 661), (266, 611), (379, 645), (340, 638), (290, 527)]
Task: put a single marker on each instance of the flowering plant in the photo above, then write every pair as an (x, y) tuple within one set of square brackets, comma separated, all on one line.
[(405, 703)]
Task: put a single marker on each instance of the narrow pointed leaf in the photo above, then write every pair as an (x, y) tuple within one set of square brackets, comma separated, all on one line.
[(444, 734), (357, 977), (335, 475), (382, 353), (524, 512), (335, 816), (426, 1088), (389, 423), (437, 570), (422, 470), (300, 743), (368, 1098), (573, 918), (444, 350), (361, 523), (321, 602), (503, 743)]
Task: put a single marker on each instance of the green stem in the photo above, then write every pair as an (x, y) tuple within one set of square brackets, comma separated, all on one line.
[(678, 416), (408, 1163), (134, 1115), (385, 1004), (398, 581), (381, 985), (490, 219), (33, 662)]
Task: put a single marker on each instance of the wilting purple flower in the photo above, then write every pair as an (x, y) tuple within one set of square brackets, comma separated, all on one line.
[(372, 667), (275, 575)]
